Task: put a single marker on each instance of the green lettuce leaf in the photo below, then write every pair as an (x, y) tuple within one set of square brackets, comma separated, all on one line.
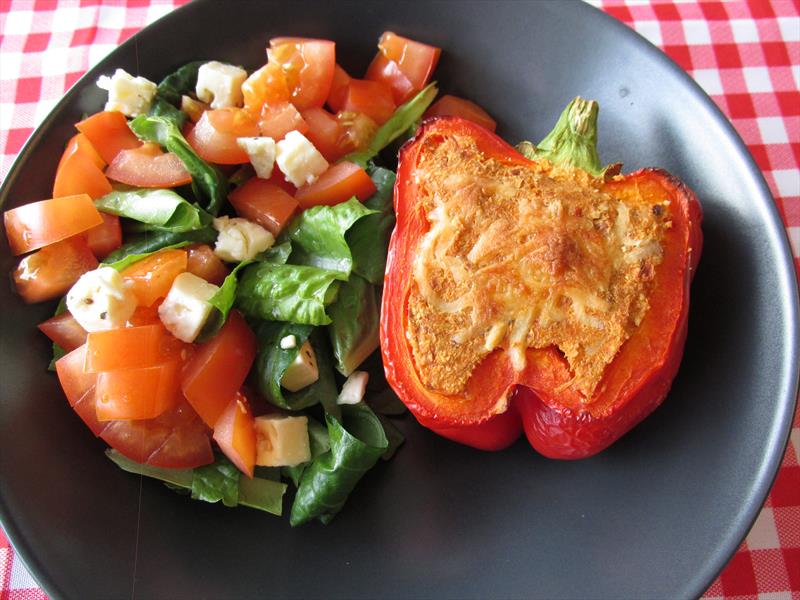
[(354, 328), (318, 236), (159, 209), (209, 183), (180, 82), (272, 361), (368, 238), (148, 242), (222, 303), (401, 121), (294, 293), (215, 482), (320, 443), (277, 254), (357, 442)]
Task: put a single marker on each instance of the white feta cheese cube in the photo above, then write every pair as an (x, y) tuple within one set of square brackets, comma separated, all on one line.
[(220, 84), (299, 160), (240, 239), (132, 96), (261, 151), (186, 309), (303, 371), (282, 441), (288, 342), (354, 388), (100, 299)]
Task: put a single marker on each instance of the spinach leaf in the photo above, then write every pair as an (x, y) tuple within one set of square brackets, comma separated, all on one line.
[(272, 361), (355, 320), (403, 118), (222, 303), (320, 443), (151, 241), (165, 110), (160, 209), (317, 236), (294, 293), (213, 483), (393, 434), (208, 182), (368, 238), (179, 82), (357, 442), (380, 397)]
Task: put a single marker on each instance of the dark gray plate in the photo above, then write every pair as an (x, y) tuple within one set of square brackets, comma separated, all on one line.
[(656, 515)]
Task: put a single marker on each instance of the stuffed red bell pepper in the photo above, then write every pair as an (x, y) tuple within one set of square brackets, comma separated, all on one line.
[(531, 289)]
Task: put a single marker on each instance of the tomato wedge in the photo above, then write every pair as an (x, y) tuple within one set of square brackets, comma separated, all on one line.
[(64, 330), (325, 132), (338, 91), (279, 119), (265, 87), (39, 224), (415, 60), (202, 261), (103, 239), (151, 277), (137, 393), (372, 98), (123, 348), (80, 143), (71, 376), (459, 107), (216, 371), (50, 272), (308, 66), (265, 203), (108, 133), (148, 166), (214, 136), (387, 71), (338, 184), (236, 435)]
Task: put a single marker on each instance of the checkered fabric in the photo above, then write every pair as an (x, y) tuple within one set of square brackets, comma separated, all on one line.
[(746, 55)]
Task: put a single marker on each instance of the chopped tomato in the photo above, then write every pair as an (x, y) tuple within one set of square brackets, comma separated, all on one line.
[(150, 278), (137, 393), (279, 119), (202, 261), (325, 133), (78, 174), (147, 166), (338, 92), (372, 98), (64, 330), (236, 435), (214, 136), (308, 67), (124, 348), (218, 368), (39, 224), (387, 71), (415, 60), (265, 87), (145, 315), (108, 133), (50, 272), (74, 381), (338, 184), (80, 143), (103, 239), (279, 179), (358, 128), (459, 107), (265, 203)]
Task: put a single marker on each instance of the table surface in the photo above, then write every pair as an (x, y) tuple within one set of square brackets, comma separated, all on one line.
[(746, 55)]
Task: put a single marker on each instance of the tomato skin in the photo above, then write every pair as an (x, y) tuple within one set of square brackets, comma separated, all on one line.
[(214, 136), (308, 65), (279, 119), (325, 132), (454, 106), (265, 203), (236, 435), (108, 133), (38, 224), (202, 261), (74, 381), (388, 72), (150, 278), (147, 166), (50, 272), (103, 239), (372, 98), (80, 170), (218, 368), (123, 348), (137, 393), (81, 144), (64, 330), (338, 92), (417, 61), (338, 184)]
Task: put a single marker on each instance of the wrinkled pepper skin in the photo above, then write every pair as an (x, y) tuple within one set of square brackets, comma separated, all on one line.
[(499, 403)]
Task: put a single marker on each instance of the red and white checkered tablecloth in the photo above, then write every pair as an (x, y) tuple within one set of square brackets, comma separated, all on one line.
[(746, 55)]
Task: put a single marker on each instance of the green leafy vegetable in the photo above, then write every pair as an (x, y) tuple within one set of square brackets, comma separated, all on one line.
[(208, 182), (294, 293), (318, 240), (272, 361), (277, 254), (163, 109), (368, 238), (149, 242), (215, 482), (403, 118), (159, 209), (393, 434), (180, 82), (357, 442), (222, 303), (386, 402), (355, 320), (320, 443), (58, 351)]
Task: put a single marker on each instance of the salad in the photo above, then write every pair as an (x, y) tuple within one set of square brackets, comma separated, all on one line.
[(217, 245)]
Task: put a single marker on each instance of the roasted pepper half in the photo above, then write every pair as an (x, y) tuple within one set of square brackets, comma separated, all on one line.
[(531, 289)]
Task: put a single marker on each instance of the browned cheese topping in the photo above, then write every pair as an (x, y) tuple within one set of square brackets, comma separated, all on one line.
[(519, 257)]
